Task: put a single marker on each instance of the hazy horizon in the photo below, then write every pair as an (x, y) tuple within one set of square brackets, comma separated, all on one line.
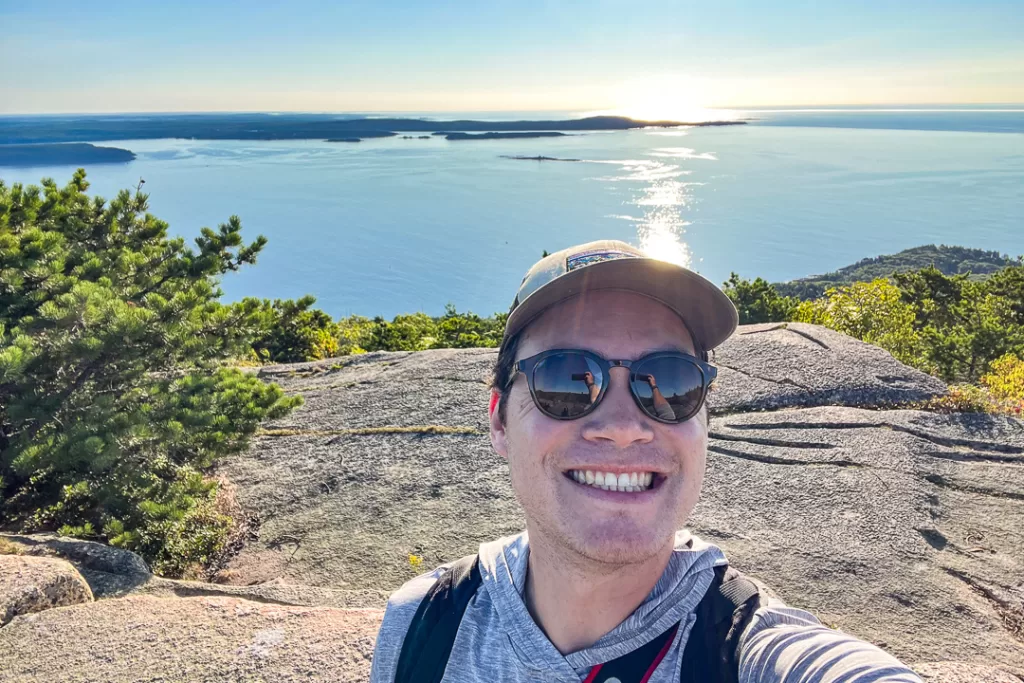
[(979, 107), (664, 60)]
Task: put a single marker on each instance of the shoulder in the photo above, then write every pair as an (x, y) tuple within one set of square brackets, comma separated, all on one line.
[(398, 614)]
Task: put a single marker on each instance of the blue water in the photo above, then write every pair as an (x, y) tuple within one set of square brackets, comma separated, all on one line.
[(390, 225)]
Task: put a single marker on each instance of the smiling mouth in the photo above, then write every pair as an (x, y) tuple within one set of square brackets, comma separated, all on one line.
[(629, 482)]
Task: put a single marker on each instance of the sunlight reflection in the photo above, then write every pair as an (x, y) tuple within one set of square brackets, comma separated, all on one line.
[(682, 153), (660, 238), (662, 197)]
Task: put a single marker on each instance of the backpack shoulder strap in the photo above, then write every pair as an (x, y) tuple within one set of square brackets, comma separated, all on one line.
[(428, 642), (710, 655)]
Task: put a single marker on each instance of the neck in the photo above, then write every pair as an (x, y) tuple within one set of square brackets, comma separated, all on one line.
[(576, 600)]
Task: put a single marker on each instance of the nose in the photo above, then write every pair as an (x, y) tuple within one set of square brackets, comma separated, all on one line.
[(617, 420)]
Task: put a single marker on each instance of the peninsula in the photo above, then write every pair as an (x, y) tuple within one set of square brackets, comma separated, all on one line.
[(46, 154)]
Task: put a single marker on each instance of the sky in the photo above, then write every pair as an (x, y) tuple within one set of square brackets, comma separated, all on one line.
[(652, 59)]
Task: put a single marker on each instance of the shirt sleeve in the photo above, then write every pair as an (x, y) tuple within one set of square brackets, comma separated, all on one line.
[(402, 606), (665, 411), (787, 645)]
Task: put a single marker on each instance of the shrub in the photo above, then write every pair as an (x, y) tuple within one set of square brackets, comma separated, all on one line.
[(758, 301), (961, 398), (291, 332), (354, 334), (113, 400), (870, 311), (1005, 383), (965, 325), (467, 330)]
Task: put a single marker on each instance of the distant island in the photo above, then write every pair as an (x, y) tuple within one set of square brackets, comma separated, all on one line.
[(97, 128), (45, 154), (949, 260), (500, 136), (343, 140), (536, 158)]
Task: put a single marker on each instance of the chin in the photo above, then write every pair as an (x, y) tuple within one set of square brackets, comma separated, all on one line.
[(616, 543)]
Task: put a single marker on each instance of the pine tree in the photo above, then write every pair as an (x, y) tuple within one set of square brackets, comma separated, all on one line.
[(114, 397)]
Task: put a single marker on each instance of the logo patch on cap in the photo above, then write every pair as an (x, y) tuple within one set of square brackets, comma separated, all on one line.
[(588, 258)]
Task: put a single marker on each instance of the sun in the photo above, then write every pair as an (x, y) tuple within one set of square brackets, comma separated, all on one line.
[(666, 98)]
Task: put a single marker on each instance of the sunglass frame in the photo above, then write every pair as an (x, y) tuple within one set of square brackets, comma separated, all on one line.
[(528, 366)]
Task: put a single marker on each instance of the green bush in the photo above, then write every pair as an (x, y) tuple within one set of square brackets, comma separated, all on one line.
[(961, 398), (870, 311), (758, 301), (965, 324), (293, 333), (952, 326), (113, 398), (418, 331), (1005, 383)]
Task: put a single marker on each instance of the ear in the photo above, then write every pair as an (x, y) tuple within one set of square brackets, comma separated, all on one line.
[(498, 437)]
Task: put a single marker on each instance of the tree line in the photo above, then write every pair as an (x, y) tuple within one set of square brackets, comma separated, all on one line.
[(966, 331)]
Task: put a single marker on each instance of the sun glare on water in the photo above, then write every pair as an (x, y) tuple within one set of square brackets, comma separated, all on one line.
[(665, 193)]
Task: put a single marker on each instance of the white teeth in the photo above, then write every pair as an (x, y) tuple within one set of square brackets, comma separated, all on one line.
[(630, 482)]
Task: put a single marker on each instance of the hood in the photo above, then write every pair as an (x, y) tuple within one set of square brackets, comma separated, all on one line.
[(673, 599)]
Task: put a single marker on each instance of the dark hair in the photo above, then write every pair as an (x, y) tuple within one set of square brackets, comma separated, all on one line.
[(503, 368), (506, 363)]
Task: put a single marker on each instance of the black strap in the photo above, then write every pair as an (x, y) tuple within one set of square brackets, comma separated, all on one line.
[(431, 635), (711, 652)]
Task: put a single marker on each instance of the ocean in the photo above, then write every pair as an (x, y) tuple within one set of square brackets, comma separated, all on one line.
[(393, 225)]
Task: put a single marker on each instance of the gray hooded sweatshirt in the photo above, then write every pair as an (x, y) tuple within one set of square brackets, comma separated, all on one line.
[(498, 640)]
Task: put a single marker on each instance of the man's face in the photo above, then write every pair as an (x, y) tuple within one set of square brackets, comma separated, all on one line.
[(605, 526)]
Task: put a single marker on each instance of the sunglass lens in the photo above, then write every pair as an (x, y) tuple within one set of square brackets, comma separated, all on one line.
[(669, 389), (565, 385)]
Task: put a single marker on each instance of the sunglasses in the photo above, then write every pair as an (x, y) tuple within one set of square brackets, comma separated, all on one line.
[(567, 384)]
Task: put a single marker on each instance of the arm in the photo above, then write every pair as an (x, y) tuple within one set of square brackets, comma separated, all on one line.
[(594, 390), (661, 405), (786, 645)]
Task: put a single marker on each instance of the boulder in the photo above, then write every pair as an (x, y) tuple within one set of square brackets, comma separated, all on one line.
[(142, 638), (114, 572), (32, 584), (785, 365), (109, 571), (901, 526)]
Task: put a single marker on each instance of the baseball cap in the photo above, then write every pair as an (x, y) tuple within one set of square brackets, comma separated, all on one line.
[(707, 312)]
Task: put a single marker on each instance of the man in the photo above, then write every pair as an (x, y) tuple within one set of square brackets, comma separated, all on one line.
[(607, 462)]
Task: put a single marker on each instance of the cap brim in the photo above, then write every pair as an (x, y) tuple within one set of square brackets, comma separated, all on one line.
[(708, 313)]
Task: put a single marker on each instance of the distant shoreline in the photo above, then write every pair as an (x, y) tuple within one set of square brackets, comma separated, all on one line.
[(501, 136), (47, 154), (32, 130)]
